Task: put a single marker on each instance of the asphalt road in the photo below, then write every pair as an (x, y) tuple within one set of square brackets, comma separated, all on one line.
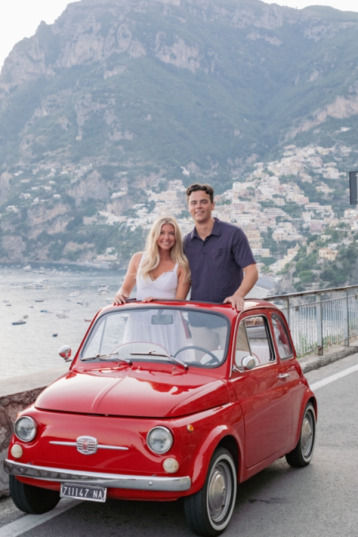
[(320, 500)]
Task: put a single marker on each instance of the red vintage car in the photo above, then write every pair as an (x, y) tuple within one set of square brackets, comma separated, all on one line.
[(167, 400)]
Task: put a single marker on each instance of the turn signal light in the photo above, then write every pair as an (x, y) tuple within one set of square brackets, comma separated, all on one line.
[(171, 465), (16, 451)]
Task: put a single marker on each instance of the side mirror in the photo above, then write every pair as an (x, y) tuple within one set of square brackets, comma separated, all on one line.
[(249, 362), (65, 353)]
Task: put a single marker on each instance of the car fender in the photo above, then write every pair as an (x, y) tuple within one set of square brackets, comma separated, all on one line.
[(219, 435), (309, 398)]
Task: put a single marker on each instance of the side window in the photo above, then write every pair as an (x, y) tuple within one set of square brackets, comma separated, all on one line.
[(242, 348), (253, 339), (259, 339), (281, 337)]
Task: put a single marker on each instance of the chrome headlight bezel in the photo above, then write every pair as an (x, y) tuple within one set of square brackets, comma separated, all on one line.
[(160, 440), (25, 428)]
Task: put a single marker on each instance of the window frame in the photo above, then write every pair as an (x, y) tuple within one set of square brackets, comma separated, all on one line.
[(269, 338), (275, 316)]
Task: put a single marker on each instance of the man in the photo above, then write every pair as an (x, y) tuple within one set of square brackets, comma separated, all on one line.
[(222, 265)]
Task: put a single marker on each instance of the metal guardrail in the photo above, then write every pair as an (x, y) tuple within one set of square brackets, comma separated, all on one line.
[(320, 319)]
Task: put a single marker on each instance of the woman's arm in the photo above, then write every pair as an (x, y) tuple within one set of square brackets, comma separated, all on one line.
[(183, 285), (129, 281)]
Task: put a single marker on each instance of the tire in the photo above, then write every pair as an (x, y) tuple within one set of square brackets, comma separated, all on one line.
[(302, 454), (32, 500), (209, 511)]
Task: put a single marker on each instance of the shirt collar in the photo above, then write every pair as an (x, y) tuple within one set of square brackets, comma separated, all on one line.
[(215, 231)]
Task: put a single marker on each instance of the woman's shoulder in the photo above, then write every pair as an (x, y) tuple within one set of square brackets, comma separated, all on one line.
[(182, 271), (137, 255), (136, 258)]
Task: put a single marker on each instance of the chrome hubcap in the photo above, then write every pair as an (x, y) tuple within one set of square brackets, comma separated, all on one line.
[(219, 492), (307, 435)]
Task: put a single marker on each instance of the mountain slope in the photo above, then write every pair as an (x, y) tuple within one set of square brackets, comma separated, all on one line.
[(120, 100)]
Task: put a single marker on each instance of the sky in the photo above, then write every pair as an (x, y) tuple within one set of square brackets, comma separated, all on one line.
[(20, 18)]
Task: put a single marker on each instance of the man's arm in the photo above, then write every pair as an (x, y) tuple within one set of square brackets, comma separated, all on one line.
[(251, 275)]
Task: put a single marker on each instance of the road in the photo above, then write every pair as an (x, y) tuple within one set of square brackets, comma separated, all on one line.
[(315, 501)]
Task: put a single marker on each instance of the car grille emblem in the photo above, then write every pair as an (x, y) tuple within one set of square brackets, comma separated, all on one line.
[(87, 445)]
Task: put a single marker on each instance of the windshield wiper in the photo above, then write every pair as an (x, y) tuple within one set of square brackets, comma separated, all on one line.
[(104, 357), (159, 355)]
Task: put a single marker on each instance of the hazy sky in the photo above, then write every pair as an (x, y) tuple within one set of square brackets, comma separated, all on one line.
[(20, 18)]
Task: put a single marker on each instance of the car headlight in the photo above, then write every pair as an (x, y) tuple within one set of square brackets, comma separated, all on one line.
[(160, 440), (25, 428)]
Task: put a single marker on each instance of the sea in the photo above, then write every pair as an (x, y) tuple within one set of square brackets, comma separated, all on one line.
[(44, 308)]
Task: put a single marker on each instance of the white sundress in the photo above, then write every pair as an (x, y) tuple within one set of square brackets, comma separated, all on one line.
[(164, 286), (140, 327)]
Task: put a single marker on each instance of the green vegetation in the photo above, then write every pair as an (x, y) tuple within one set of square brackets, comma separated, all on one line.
[(308, 269), (140, 94)]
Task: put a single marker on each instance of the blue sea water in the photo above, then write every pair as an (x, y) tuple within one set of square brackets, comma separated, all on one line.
[(56, 306)]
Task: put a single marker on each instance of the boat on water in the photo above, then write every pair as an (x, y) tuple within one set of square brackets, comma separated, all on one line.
[(19, 322), (103, 290)]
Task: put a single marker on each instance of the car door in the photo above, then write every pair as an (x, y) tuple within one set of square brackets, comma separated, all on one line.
[(289, 370), (261, 391)]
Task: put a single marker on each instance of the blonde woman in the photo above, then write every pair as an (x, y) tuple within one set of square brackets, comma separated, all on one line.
[(162, 270)]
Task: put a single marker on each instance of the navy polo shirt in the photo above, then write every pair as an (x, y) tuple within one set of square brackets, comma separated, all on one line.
[(217, 263)]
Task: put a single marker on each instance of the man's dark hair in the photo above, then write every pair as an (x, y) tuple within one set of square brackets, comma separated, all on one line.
[(205, 188)]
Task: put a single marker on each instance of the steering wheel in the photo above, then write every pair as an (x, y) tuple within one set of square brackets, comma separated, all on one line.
[(213, 359)]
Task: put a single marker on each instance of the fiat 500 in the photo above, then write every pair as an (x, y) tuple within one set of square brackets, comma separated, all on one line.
[(166, 400)]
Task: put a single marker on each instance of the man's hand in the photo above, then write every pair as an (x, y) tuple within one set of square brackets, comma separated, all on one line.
[(237, 302), (250, 278)]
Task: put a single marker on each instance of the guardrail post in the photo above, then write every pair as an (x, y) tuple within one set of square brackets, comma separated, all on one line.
[(346, 320), (288, 311), (319, 324), (331, 320)]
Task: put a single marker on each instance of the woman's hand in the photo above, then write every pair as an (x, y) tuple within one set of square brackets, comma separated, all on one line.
[(126, 288), (120, 298)]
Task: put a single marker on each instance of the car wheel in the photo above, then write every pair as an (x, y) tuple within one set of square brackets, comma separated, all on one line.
[(302, 454), (209, 511), (32, 500)]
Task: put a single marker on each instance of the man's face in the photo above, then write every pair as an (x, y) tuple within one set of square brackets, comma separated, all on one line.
[(200, 206)]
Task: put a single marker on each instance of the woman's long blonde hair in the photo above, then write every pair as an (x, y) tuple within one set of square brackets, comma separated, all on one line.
[(151, 256)]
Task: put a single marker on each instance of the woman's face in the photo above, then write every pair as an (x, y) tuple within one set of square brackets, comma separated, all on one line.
[(166, 239)]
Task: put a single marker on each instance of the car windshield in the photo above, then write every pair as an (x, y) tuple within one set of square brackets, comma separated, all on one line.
[(179, 335)]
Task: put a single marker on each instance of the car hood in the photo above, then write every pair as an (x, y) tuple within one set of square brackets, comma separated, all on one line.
[(138, 393)]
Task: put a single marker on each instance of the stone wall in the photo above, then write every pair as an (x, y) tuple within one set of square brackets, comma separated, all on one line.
[(9, 407), (15, 395)]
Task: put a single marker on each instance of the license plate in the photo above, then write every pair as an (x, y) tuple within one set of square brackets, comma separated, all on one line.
[(83, 492)]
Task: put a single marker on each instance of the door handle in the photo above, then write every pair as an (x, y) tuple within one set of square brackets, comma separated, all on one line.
[(283, 376)]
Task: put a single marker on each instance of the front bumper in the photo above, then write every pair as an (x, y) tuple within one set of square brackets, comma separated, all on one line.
[(117, 481)]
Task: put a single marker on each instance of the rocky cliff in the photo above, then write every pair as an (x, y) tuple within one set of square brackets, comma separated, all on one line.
[(120, 104)]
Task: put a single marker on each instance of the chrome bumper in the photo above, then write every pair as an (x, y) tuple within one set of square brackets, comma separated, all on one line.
[(117, 481)]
